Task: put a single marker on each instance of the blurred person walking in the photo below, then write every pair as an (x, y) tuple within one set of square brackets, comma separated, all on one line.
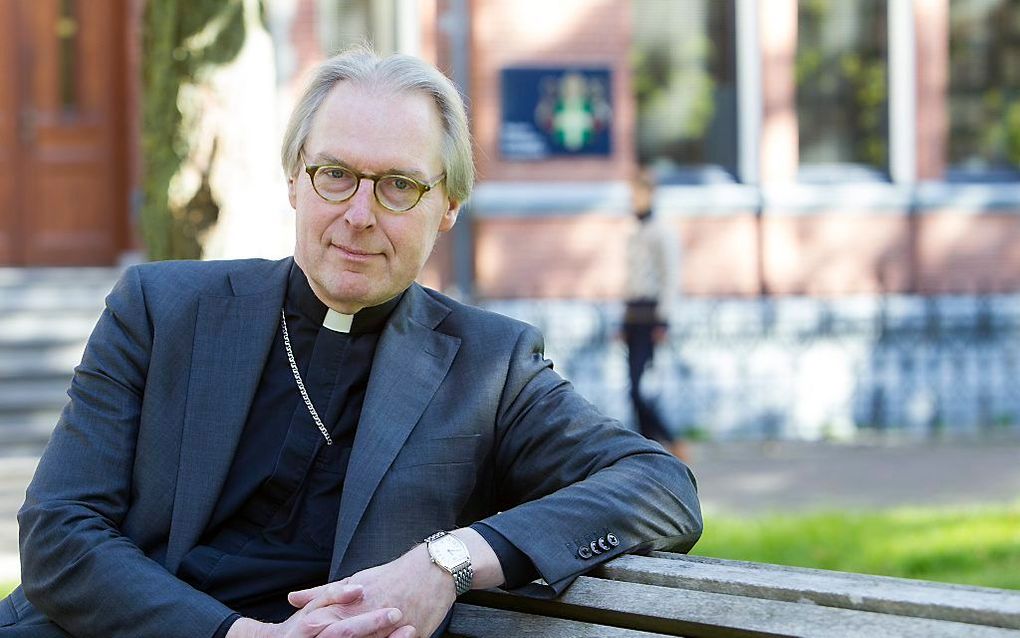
[(653, 262)]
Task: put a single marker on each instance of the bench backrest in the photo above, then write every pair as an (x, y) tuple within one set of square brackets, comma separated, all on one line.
[(677, 595)]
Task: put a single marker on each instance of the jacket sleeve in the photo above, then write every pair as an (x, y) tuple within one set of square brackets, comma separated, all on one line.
[(567, 477), (78, 569)]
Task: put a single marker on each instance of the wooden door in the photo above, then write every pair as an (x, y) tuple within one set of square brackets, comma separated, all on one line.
[(9, 143), (63, 198)]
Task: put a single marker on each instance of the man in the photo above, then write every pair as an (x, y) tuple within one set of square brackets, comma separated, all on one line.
[(651, 280), (242, 433)]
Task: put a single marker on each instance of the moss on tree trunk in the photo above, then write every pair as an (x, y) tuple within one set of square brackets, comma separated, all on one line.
[(182, 42)]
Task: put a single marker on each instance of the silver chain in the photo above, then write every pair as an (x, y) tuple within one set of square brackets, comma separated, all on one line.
[(300, 383)]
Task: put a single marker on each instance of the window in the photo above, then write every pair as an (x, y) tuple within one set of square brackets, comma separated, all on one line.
[(841, 75), (684, 74), (66, 31), (343, 23), (984, 87)]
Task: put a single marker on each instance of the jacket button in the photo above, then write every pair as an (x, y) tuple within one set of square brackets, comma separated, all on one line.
[(613, 540), (594, 548), (604, 545), (584, 553)]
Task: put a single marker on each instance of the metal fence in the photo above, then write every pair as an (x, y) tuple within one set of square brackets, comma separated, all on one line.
[(804, 368)]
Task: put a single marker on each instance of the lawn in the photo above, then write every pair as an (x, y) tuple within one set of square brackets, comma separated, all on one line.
[(975, 546)]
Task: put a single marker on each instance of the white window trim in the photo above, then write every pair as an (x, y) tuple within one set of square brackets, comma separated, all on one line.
[(750, 102), (902, 92)]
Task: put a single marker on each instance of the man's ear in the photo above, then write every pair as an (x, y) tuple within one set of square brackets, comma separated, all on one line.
[(449, 216), (292, 192)]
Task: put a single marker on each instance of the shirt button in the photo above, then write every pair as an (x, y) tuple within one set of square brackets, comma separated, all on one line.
[(604, 545), (594, 548), (584, 553), (613, 540)]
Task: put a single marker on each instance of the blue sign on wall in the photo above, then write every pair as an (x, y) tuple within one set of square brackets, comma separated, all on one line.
[(555, 112)]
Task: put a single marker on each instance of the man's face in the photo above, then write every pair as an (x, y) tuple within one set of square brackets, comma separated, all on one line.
[(357, 253)]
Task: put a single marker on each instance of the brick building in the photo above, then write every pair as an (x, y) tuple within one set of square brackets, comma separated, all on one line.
[(812, 153)]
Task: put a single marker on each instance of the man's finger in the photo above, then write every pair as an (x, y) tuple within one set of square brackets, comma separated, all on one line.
[(300, 598), (407, 631), (367, 624), (331, 594)]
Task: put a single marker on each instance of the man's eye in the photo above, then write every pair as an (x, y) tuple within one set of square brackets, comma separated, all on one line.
[(336, 173), (401, 183)]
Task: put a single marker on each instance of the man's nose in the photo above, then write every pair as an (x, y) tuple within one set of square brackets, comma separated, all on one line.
[(361, 206)]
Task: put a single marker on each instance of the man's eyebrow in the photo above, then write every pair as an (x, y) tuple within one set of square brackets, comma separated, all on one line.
[(322, 159)]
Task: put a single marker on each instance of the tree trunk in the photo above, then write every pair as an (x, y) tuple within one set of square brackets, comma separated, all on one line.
[(212, 184)]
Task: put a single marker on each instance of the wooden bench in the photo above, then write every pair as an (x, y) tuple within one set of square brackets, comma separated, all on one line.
[(676, 595)]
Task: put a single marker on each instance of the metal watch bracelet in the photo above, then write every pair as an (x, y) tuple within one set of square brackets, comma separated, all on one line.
[(463, 576)]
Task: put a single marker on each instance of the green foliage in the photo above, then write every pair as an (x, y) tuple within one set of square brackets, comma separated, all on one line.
[(181, 41), (842, 84), (974, 546), (6, 588), (1013, 132)]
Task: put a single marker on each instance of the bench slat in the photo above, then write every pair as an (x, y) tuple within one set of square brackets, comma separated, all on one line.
[(898, 596), (684, 612), (470, 621)]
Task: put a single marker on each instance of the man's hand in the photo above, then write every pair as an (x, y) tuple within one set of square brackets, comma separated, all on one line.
[(424, 592), (329, 616)]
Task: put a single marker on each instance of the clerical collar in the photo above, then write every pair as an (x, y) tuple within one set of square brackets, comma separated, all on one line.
[(338, 322), (301, 299)]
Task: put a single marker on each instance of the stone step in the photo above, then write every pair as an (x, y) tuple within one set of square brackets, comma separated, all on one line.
[(27, 432), (42, 326), (12, 343), (41, 289), (50, 363), (47, 299), (46, 316), (11, 277), (19, 397)]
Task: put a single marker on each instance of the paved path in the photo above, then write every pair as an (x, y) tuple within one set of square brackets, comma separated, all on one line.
[(755, 478)]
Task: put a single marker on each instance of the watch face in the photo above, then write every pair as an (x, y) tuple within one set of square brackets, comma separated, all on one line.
[(448, 551)]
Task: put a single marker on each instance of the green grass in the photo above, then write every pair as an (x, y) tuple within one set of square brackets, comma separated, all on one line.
[(977, 546), (6, 588)]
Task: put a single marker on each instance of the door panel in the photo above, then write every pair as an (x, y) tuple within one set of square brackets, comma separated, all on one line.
[(71, 188), (9, 114)]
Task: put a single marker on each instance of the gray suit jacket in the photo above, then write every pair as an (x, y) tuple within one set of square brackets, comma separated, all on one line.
[(463, 420)]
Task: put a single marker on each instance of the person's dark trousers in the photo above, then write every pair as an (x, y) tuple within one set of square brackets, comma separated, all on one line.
[(638, 325)]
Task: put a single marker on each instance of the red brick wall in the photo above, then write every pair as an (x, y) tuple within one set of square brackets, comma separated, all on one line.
[(969, 253), (540, 32), (836, 253)]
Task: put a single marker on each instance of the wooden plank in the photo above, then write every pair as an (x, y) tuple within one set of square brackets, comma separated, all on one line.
[(470, 621), (898, 596), (681, 612)]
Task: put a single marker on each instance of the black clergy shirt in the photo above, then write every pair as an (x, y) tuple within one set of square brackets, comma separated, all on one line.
[(273, 528)]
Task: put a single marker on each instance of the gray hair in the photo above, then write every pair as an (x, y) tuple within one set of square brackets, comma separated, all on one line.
[(399, 73)]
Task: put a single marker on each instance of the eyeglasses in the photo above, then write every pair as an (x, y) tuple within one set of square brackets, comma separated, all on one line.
[(399, 193)]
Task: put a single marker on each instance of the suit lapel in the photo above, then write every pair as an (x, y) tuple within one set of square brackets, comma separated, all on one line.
[(233, 335), (410, 363)]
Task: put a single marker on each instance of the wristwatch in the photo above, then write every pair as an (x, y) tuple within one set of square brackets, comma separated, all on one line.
[(451, 554)]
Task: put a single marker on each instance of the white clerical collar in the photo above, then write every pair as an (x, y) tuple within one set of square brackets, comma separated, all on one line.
[(338, 322)]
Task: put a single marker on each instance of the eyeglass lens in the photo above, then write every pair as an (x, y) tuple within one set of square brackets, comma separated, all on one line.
[(393, 191)]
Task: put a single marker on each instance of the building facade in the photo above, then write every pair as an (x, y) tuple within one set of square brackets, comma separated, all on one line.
[(839, 165)]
